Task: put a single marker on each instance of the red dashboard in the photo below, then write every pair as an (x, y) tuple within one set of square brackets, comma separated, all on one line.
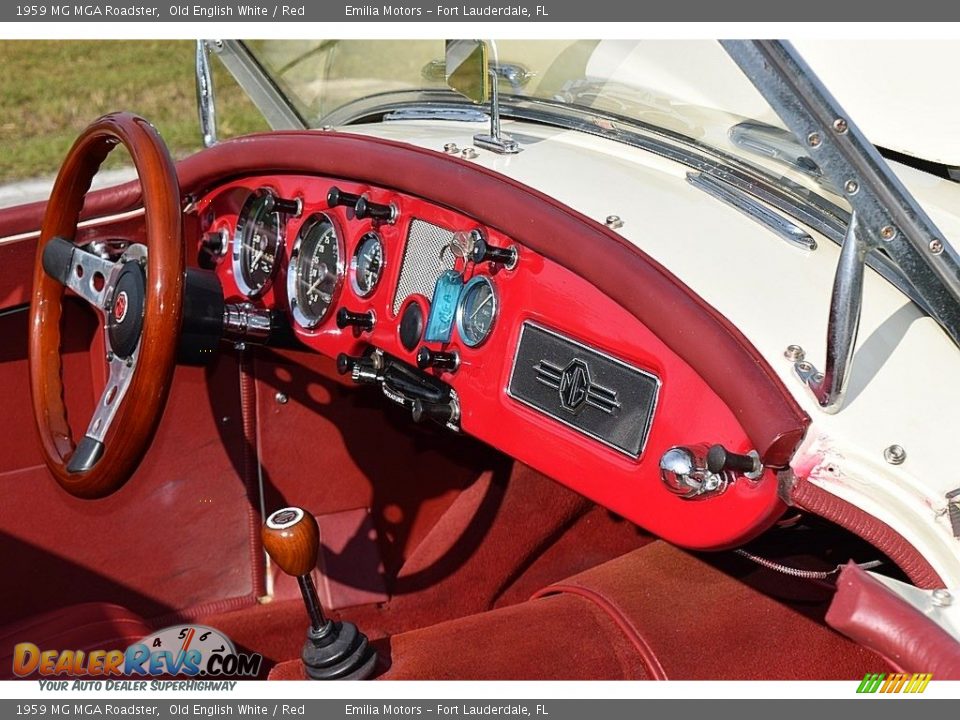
[(532, 295)]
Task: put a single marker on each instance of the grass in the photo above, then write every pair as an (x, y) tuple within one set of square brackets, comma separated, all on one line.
[(51, 90)]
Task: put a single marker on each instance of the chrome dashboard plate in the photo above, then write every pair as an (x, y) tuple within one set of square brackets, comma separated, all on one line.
[(585, 389)]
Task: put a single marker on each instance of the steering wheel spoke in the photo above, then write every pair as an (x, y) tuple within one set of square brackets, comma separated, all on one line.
[(90, 448), (88, 275)]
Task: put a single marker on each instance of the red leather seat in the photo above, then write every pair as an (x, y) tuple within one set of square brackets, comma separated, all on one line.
[(89, 626)]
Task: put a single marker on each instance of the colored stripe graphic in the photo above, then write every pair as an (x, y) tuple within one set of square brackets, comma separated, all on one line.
[(914, 683)]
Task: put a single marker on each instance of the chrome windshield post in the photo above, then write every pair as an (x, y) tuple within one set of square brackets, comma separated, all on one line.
[(886, 219), (846, 301), (206, 102)]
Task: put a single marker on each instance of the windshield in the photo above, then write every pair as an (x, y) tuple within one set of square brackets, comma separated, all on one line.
[(338, 81)]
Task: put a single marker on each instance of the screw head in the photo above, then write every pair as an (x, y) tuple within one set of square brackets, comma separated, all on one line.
[(613, 222), (110, 356), (794, 353), (469, 153), (888, 232), (895, 455), (281, 398), (936, 246), (941, 597), (840, 126), (814, 139), (451, 147), (851, 187)]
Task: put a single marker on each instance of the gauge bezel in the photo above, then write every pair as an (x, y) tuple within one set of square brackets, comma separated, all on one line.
[(464, 294), (251, 209), (293, 272), (354, 283)]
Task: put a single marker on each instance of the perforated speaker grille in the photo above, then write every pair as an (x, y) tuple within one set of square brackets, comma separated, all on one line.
[(421, 261)]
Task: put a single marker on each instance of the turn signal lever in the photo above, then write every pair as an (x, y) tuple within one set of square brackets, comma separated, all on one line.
[(333, 650)]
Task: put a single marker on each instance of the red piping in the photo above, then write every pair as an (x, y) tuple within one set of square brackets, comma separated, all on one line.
[(808, 496), (647, 655)]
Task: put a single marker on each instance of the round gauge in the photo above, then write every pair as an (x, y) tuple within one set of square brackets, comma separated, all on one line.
[(316, 271), (366, 264), (477, 311), (257, 243)]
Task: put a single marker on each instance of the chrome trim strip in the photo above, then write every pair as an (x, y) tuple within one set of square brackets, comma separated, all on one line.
[(739, 200), (608, 356), (84, 224)]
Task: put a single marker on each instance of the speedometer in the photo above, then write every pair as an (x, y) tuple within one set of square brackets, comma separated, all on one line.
[(316, 271), (257, 243)]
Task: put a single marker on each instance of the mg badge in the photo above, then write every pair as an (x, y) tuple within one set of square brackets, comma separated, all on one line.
[(120, 307), (574, 385), (576, 388)]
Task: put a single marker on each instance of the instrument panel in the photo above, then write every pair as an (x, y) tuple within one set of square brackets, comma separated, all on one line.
[(468, 328)]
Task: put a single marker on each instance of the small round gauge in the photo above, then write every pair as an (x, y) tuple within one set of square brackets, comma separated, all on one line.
[(366, 265), (257, 243), (316, 271), (477, 311)]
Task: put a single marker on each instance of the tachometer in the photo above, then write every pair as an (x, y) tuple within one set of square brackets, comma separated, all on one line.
[(316, 271), (366, 265), (257, 243), (477, 311)]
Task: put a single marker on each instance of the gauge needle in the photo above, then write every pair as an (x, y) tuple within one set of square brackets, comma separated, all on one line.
[(479, 307), (312, 288)]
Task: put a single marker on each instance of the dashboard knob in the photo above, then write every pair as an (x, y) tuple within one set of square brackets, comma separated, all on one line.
[(336, 196), (376, 211), (443, 413), (362, 369), (427, 358), (485, 252), (719, 459), (362, 321), (283, 206)]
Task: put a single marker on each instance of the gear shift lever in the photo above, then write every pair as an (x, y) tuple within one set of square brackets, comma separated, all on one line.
[(333, 650)]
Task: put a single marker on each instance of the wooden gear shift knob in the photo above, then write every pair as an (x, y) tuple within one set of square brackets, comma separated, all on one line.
[(292, 539)]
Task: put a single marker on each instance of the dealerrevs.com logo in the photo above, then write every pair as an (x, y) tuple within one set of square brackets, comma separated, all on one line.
[(192, 651)]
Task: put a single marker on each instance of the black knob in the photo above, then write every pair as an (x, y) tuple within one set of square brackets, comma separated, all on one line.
[(720, 459), (336, 196), (362, 321), (485, 252), (376, 211), (362, 369), (213, 248), (286, 207), (346, 363), (438, 412), (427, 358)]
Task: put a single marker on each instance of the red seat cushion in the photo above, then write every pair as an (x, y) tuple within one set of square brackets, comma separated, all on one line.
[(89, 626), (699, 623)]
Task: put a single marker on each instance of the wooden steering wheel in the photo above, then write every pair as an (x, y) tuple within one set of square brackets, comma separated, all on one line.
[(140, 299)]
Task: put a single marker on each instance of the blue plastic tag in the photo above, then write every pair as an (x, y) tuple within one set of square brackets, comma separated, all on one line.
[(446, 294)]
